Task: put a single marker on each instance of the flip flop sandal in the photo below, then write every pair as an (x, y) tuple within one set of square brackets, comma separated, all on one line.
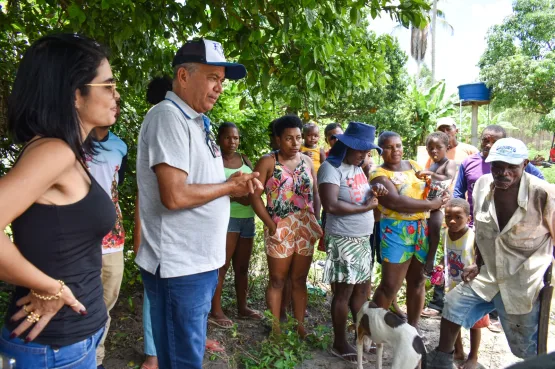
[(254, 315), (218, 323), (369, 350), (214, 346), (345, 356), (495, 327), (430, 313)]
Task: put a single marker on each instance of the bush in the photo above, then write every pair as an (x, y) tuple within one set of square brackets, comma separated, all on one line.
[(549, 174)]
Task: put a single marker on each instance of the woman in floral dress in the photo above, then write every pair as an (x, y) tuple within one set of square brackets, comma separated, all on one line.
[(403, 226), (290, 216)]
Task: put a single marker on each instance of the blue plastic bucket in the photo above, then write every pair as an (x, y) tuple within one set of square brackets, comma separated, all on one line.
[(474, 91)]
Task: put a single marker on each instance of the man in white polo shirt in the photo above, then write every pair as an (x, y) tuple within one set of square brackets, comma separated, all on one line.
[(184, 203)]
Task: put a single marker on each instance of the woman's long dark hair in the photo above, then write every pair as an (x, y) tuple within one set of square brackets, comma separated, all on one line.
[(42, 102)]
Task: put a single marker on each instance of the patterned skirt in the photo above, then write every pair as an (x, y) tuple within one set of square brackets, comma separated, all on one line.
[(349, 260)]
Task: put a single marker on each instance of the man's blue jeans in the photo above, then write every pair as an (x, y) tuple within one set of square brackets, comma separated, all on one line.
[(150, 349), (179, 310)]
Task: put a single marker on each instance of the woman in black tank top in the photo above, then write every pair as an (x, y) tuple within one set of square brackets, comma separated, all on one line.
[(64, 88)]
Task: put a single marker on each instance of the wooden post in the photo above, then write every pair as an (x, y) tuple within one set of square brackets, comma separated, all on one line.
[(474, 127), (546, 294)]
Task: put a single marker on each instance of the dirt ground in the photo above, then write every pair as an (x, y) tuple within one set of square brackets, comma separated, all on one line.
[(125, 344)]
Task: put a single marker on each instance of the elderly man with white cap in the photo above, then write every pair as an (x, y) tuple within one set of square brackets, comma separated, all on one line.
[(514, 220), (184, 203)]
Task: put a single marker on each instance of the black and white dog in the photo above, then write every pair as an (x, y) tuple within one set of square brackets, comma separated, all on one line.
[(382, 326)]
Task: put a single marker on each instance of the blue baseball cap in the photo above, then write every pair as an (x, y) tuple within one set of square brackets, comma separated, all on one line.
[(208, 52)]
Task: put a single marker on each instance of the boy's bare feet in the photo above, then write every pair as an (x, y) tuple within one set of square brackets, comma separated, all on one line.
[(470, 363), (459, 356)]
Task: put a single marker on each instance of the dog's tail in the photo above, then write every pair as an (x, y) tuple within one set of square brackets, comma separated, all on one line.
[(419, 347)]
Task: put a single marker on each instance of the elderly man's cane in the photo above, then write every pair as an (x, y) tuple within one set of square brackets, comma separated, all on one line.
[(546, 294)]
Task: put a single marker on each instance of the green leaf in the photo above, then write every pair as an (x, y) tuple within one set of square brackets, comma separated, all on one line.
[(76, 13), (243, 103), (321, 83), (265, 79), (311, 78), (355, 15)]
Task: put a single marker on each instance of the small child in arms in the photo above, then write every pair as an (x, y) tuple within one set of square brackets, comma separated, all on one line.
[(311, 135), (439, 176), (459, 253)]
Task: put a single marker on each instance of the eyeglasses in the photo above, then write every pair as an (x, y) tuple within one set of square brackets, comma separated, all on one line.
[(211, 142), (111, 86)]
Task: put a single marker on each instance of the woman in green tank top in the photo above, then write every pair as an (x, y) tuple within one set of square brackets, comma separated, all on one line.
[(240, 233)]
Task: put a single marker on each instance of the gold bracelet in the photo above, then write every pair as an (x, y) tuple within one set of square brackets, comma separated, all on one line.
[(52, 297)]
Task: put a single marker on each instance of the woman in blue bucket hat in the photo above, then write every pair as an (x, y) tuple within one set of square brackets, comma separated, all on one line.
[(349, 201)]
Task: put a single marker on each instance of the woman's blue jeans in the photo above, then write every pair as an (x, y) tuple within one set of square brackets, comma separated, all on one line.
[(80, 355)]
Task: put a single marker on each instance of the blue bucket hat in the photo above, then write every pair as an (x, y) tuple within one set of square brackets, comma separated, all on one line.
[(357, 136)]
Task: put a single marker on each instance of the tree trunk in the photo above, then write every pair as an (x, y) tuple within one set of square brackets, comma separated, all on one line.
[(434, 16), (418, 70)]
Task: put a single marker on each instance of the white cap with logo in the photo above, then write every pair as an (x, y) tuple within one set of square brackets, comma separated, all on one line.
[(508, 150), (446, 121)]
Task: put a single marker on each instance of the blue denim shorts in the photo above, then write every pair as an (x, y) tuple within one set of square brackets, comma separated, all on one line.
[(80, 355), (464, 307), (243, 226)]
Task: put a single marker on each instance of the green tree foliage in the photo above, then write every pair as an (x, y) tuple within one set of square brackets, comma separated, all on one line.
[(418, 113), (519, 61), (303, 56), (375, 104), (318, 48)]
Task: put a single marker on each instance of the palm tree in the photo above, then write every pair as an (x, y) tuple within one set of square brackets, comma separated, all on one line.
[(419, 38), (434, 20), (418, 45)]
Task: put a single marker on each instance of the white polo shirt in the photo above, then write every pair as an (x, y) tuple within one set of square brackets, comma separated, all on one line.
[(188, 241)]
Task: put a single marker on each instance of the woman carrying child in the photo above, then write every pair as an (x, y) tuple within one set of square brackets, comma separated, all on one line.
[(404, 229), (311, 136), (439, 178)]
